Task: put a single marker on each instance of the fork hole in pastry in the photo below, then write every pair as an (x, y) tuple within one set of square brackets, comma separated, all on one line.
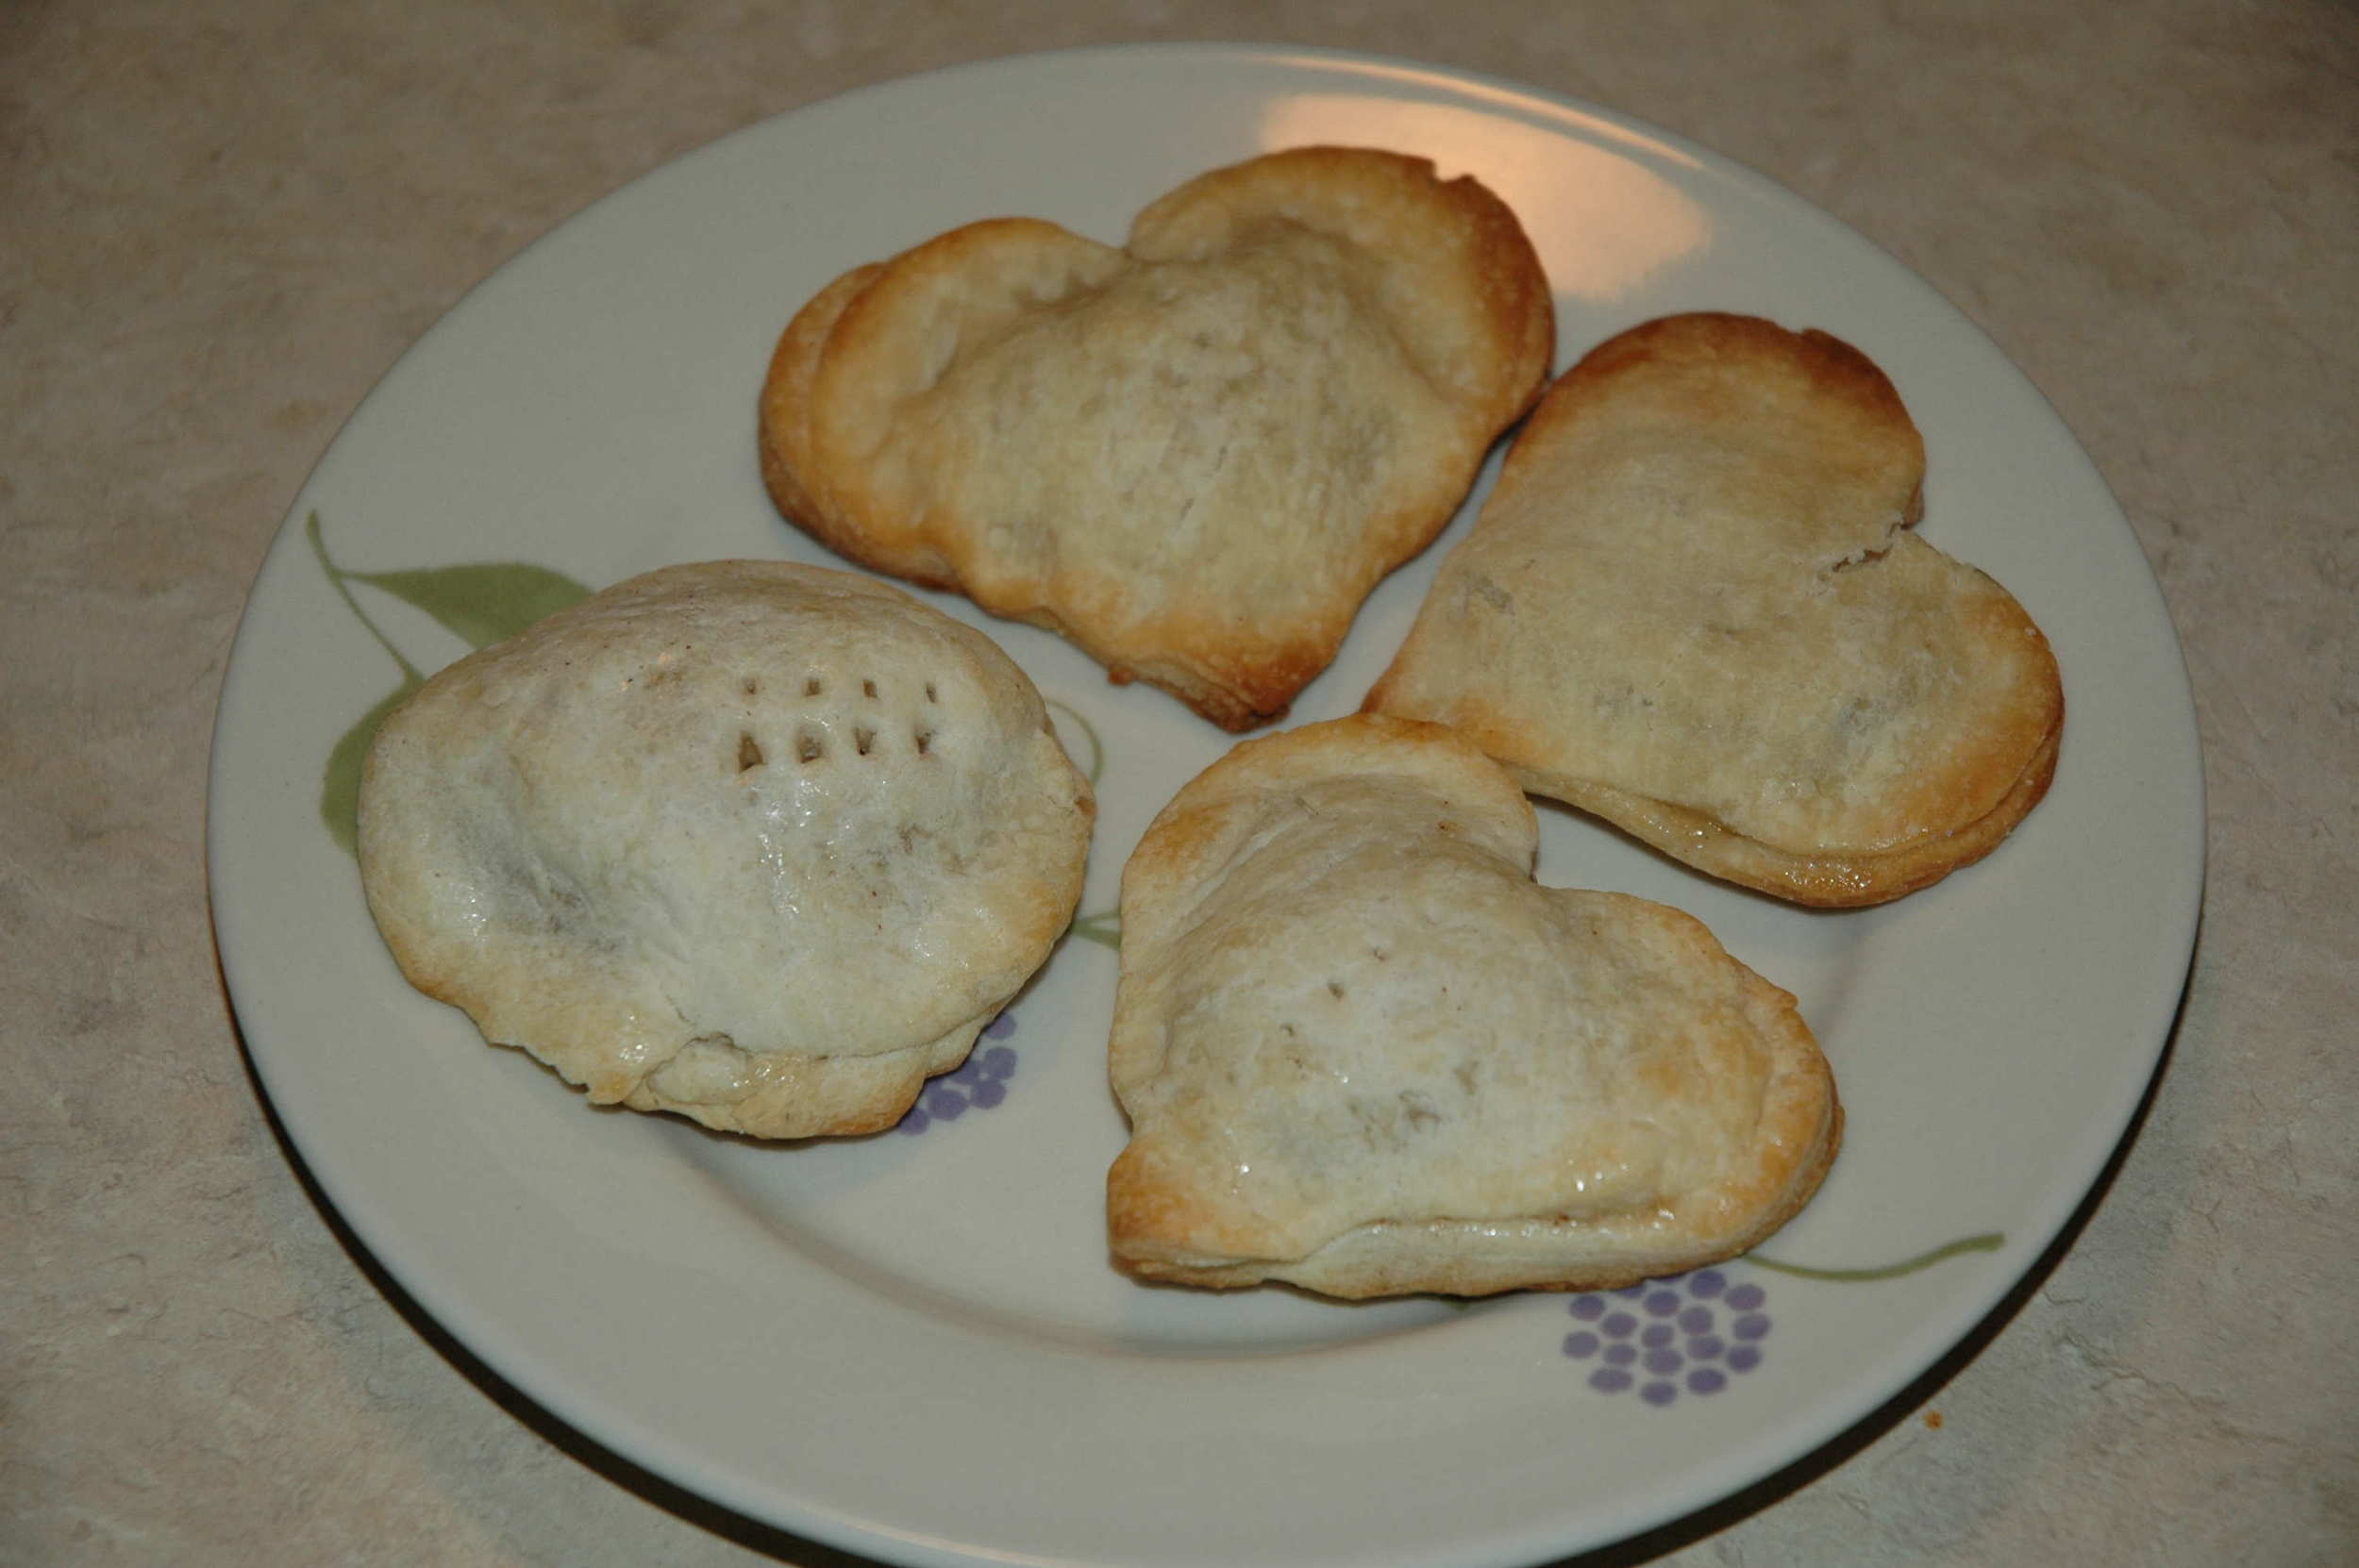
[(925, 739), (930, 693), (809, 746), (814, 686), (749, 751), (863, 741), (752, 686), (868, 689), (1335, 988)]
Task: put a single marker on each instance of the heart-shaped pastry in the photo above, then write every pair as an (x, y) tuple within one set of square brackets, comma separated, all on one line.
[(1362, 1051), (1195, 456), (1695, 607), (760, 843)]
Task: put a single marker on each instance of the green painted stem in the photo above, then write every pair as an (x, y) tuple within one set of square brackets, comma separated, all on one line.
[(1097, 748), (1988, 1242), (336, 580)]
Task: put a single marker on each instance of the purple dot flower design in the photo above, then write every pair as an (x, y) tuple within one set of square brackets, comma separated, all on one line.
[(1689, 1334), (980, 1082)]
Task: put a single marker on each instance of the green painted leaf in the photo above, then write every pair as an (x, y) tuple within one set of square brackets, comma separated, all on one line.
[(483, 603), (1104, 928), (340, 782)]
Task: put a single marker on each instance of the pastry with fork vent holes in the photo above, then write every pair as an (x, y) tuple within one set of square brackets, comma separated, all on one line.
[(1364, 1052), (1194, 455), (762, 844)]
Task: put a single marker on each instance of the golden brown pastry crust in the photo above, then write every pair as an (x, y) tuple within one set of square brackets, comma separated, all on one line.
[(1193, 457), (1364, 1053), (760, 843), (1693, 606)]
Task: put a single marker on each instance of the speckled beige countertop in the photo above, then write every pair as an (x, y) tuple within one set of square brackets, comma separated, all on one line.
[(220, 223)]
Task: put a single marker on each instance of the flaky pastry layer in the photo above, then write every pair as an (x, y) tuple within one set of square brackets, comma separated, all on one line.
[(760, 843), (1694, 606), (1364, 1053), (1194, 455)]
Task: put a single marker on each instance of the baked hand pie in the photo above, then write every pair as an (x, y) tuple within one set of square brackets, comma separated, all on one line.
[(1364, 1052), (1694, 606), (760, 843), (1195, 456)]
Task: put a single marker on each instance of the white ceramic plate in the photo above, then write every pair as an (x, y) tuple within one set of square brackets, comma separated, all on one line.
[(913, 1345)]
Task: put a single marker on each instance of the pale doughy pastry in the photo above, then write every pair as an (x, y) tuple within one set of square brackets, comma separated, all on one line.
[(1195, 456), (760, 843), (1362, 1051), (1694, 607)]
